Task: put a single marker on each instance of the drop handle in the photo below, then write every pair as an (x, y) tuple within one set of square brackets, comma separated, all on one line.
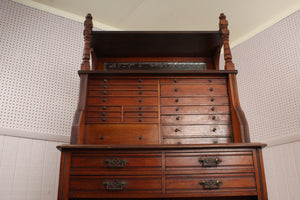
[(211, 184), (176, 130)]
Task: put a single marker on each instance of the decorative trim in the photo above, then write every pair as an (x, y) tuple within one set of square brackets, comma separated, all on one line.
[(34, 135), (280, 140), (64, 14)]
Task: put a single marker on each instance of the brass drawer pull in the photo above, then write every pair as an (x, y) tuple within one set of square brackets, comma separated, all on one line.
[(104, 92), (210, 80), (140, 107), (212, 99), (103, 113), (140, 100), (211, 89), (104, 100), (175, 80), (140, 92), (213, 109), (140, 113), (140, 80), (177, 109), (211, 184), (177, 118), (115, 163), (105, 80), (214, 117), (114, 185), (176, 89), (176, 130), (104, 107), (214, 129), (140, 87), (103, 119), (140, 137), (105, 86), (210, 161), (176, 100), (140, 119)]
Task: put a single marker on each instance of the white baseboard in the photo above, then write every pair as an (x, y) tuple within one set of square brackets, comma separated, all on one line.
[(34, 135), (280, 140)]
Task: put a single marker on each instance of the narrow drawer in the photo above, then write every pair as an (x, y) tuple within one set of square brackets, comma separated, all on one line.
[(140, 108), (113, 185), (123, 87), (197, 140), (104, 108), (141, 114), (212, 183), (103, 114), (103, 119), (121, 134), (140, 120), (193, 90), (122, 93), (122, 100), (194, 101), (196, 131), (210, 159), (213, 81), (194, 110), (195, 119), (118, 81)]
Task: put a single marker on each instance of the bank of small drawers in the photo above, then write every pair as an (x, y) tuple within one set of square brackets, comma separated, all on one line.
[(195, 111), (111, 174)]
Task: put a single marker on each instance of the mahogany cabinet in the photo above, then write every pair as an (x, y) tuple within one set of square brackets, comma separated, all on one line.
[(157, 119)]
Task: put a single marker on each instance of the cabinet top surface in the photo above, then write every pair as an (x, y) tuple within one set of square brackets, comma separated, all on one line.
[(156, 43)]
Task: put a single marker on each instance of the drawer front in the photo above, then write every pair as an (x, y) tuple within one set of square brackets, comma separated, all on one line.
[(141, 114), (195, 110), (140, 108), (141, 120), (122, 93), (104, 108), (118, 81), (197, 140), (122, 100), (104, 119), (193, 90), (194, 101), (104, 114), (123, 87), (110, 185), (212, 183), (106, 162), (213, 81), (195, 119), (196, 131), (206, 160), (121, 134)]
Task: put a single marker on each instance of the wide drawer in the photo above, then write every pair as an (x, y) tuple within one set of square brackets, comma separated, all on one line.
[(122, 93), (211, 140), (212, 159), (141, 120), (196, 131), (212, 183), (123, 87), (194, 80), (141, 114), (121, 134), (104, 114), (194, 110), (104, 119), (122, 81), (110, 185), (194, 101), (115, 163), (193, 90), (140, 108), (103, 108), (122, 100), (195, 119)]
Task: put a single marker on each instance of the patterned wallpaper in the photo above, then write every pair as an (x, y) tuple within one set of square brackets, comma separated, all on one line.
[(40, 54), (269, 79)]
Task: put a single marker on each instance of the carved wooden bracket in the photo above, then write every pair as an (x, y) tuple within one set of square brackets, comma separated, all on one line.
[(87, 33), (223, 26)]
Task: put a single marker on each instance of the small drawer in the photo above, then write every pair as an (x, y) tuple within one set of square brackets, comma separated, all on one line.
[(121, 134), (141, 120), (216, 183), (108, 186), (123, 87), (122, 93), (209, 100), (196, 131), (219, 81), (195, 119), (194, 110), (118, 81), (103, 114), (140, 108), (140, 114), (122, 100), (207, 160), (197, 141), (104, 108), (193, 90), (103, 119)]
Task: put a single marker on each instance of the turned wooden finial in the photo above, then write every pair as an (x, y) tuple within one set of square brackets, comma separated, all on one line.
[(223, 26), (88, 26)]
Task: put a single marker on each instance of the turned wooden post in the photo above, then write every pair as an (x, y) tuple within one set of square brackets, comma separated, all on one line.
[(88, 26), (223, 26)]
